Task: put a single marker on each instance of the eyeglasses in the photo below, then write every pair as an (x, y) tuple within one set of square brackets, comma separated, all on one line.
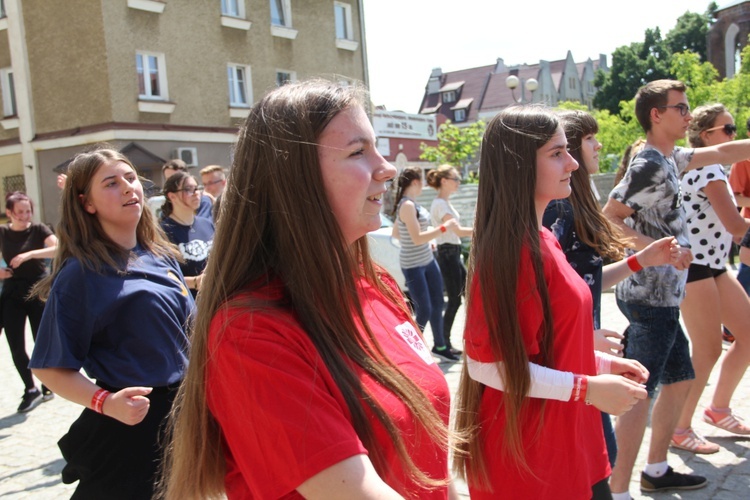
[(457, 179), (683, 108), (211, 183), (728, 129), (191, 190)]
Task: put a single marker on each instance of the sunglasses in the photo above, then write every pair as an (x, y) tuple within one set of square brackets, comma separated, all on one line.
[(684, 109), (728, 129)]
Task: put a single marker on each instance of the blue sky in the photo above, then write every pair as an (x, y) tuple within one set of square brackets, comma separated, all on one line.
[(407, 38)]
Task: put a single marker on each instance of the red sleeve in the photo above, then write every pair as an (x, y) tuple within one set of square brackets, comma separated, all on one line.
[(738, 178), (287, 425), (528, 304)]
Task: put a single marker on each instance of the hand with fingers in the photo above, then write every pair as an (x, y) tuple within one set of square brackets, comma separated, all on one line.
[(630, 369), (603, 342), (614, 394), (659, 252), (129, 405)]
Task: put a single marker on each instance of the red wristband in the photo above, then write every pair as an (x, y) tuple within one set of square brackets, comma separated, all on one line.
[(97, 401), (443, 229), (580, 388), (633, 264)]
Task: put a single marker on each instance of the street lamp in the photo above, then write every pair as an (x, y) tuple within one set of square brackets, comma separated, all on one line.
[(512, 83)]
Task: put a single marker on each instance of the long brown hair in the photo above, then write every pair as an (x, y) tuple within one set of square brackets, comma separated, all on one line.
[(591, 226), (404, 180), (505, 223), (173, 184), (80, 234), (435, 176), (274, 205)]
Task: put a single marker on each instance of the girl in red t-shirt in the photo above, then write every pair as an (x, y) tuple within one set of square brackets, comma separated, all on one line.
[(307, 376), (531, 384)]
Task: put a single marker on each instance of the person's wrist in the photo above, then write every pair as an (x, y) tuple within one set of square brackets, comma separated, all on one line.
[(633, 263), (580, 389), (97, 400), (442, 228)]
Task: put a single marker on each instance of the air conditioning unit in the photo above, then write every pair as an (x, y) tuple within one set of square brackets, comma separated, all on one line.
[(188, 155)]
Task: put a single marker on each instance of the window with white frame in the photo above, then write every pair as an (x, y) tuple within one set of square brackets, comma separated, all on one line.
[(343, 16), (9, 92), (283, 77), (233, 8), (449, 96), (152, 76), (459, 115), (240, 86), (281, 13)]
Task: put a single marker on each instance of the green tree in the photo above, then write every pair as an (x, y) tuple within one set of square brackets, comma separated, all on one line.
[(457, 146), (691, 33), (642, 62), (632, 67)]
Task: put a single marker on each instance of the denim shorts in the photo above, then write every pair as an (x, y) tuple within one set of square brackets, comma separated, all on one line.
[(655, 339)]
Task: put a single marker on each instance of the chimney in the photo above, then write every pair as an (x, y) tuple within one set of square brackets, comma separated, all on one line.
[(433, 85)]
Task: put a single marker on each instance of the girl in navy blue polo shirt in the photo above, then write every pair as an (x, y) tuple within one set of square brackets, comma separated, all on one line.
[(118, 307)]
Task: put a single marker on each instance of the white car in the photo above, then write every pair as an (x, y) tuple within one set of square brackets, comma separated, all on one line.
[(385, 249)]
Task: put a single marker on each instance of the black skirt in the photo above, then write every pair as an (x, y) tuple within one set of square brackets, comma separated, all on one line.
[(113, 460)]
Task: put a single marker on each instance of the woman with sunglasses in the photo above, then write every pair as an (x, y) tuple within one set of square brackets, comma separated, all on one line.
[(193, 234), (446, 180), (712, 220)]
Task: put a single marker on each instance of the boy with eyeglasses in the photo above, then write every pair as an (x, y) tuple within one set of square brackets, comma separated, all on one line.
[(647, 205)]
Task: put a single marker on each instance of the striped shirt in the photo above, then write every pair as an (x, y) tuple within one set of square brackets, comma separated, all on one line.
[(412, 255)]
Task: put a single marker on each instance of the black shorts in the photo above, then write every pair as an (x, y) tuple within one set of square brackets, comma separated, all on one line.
[(113, 460), (698, 272)]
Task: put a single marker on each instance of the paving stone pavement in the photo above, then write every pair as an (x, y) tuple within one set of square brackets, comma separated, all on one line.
[(30, 462)]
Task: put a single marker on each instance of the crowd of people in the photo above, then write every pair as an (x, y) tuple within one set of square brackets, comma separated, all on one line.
[(294, 367)]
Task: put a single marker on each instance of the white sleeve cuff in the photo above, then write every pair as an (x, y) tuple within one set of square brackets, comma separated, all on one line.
[(546, 383), (603, 362)]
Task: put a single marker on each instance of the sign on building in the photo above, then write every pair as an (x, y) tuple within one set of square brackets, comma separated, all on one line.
[(403, 125)]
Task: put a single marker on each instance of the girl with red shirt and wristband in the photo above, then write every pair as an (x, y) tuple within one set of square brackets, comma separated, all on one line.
[(532, 385), (308, 377)]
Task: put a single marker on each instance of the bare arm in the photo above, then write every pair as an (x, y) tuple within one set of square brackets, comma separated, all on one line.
[(617, 212), (658, 253), (461, 231), (408, 215), (745, 256), (50, 247), (725, 209), (129, 406), (742, 200), (353, 478), (725, 154)]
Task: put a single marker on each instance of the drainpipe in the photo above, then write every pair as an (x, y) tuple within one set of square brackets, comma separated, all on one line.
[(363, 43), (22, 80)]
